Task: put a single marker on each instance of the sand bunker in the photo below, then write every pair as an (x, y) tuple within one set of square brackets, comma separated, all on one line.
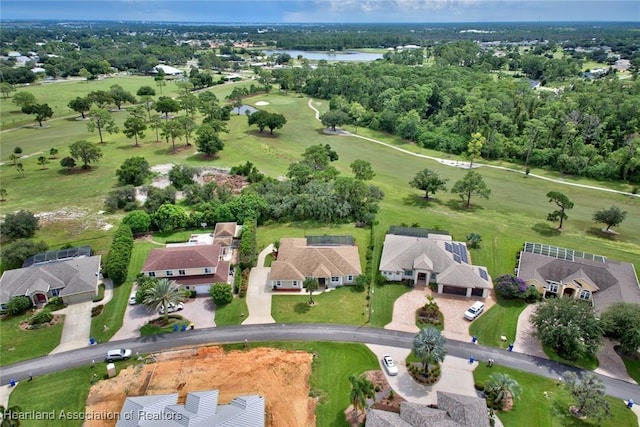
[(282, 377), (261, 103)]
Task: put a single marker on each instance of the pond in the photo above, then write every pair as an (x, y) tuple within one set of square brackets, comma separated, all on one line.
[(329, 56)]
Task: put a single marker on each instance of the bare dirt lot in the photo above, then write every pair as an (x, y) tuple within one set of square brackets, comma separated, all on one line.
[(281, 376)]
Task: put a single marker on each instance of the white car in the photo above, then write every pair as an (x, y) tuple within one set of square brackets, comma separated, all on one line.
[(389, 365), (172, 308), (132, 299), (118, 354), (474, 311)]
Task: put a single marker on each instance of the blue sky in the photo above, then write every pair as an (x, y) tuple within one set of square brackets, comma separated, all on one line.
[(310, 11)]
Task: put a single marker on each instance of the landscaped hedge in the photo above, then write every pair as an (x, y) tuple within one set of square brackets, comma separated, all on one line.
[(248, 246), (18, 305), (119, 255), (43, 316), (512, 287)]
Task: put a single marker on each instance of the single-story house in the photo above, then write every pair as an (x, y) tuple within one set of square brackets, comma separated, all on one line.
[(196, 267), (565, 272), (454, 410), (333, 260), (429, 256), (74, 280), (200, 409)]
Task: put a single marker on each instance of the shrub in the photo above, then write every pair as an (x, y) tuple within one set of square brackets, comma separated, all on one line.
[(221, 293), (237, 280), (18, 305), (361, 283), (139, 221), (95, 311), (44, 316), (248, 246), (510, 287), (117, 266), (54, 303)]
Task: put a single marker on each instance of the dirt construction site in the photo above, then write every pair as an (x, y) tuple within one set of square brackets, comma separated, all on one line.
[(281, 376)]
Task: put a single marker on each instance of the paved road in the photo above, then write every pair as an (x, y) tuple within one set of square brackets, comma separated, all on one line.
[(300, 332)]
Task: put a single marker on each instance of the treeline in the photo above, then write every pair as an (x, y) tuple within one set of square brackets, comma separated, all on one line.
[(581, 127)]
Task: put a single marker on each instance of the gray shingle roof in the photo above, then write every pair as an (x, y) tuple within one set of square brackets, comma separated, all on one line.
[(74, 276)]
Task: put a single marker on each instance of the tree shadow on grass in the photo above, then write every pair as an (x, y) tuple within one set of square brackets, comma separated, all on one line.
[(264, 134), (545, 230), (78, 170), (597, 232), (419, 201), (129, 146), (460, 206), (301, 308)]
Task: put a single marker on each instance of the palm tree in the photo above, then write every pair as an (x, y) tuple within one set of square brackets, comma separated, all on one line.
[(500, 386), (10, 416), (163, 293), (311, 284), (429, 346), (361, 389)]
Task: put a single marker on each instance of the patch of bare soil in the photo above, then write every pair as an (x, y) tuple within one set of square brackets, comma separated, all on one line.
[(223, 179), (282, 377)]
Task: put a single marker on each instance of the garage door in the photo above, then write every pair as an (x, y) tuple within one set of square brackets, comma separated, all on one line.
[(452, 290), (477, 292), (202, 289)]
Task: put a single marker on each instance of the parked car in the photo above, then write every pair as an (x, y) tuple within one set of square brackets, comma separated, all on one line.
[(474, 311), (118, 354), (389, 365), (172, 308), (132, 299)]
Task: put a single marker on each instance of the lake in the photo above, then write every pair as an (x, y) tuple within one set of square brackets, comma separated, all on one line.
[(329, 56)]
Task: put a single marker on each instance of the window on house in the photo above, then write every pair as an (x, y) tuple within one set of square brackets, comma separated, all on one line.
[(552, 286), (408, 273), (350, 277), (152, 274), (278, 283), (335, 279), (585, 294), (182, 272), (207, 270), (55, 292), (169, 272), (295, 283)]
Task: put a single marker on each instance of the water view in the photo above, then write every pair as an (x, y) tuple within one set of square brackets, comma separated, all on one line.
[(329, 56)]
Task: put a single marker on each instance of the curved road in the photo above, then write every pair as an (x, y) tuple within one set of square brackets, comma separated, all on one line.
[(299, 332)]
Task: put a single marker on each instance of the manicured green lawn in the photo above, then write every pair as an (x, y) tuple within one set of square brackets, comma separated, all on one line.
[(60, 391), (233, 313), (114, 309), (343, 305), (633, 368), (17, 345), (589, 363), (382, 299), (501, 319), (329, 378), (534, 408)]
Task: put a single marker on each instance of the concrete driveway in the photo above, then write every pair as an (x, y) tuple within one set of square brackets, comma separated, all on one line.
[(259, 292), (199, 310), (452, 307)]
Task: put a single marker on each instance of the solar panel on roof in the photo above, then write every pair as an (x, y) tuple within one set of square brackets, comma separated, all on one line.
[(456, 258), (448, 247), (483, 274)]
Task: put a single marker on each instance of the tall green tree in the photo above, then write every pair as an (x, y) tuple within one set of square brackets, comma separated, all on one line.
[(208, 141), (620, 322), (102, 120), (166, 105), (19, 225), (172, 129), (275, 121), (563, 204), (146, 94), (471, 184), (589, 393), (474, 148), (41, 111), (120, 96), (429, 347), (311, 285), (85, 151), (362, 170), (334, 118), (15, 253), (6, 89), (612, 216), (43, 161), (162, 294), (568, 326), (134, 127), (357, 113), (429, 182), (80, 105), (133, 171), (23, 98), (361, 389)]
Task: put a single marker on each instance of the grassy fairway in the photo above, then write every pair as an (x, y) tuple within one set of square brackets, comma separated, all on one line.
[(343, 305), (17, 345), (382, 298), (552, 411), (501, 319)]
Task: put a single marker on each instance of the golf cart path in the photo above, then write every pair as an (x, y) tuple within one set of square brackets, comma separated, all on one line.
[(467, 165)]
